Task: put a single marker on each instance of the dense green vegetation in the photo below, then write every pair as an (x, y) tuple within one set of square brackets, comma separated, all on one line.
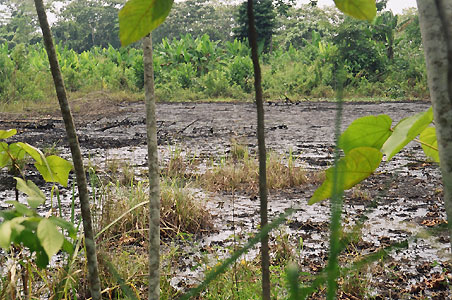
[(202, 59)]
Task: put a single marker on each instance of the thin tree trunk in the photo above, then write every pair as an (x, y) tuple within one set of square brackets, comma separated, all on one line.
[(265, 258), (154, 176), (436, 27), (93, 273)]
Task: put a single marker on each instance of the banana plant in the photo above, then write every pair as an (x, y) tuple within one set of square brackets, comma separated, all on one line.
[(237, 48)]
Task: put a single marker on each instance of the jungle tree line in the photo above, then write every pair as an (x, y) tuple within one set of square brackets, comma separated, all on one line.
[(196, 52), (81, 25)]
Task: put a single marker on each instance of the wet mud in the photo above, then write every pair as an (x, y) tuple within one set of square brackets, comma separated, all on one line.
[(402, 201)]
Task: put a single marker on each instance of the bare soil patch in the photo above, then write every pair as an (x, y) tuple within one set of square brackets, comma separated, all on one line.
[(403, 200)]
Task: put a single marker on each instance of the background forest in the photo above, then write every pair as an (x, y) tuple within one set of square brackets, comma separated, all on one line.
[(201, 52)]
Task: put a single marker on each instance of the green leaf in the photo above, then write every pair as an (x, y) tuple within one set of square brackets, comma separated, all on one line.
[(370, 131), (139, 17), (65, 225), (68, 247), (5, 235), (35, 153), (9, 230), (4, 157), (16, 152), (21, 209), (17, 228), (360, 9), (9, 214), (59, 169), (49, 236), (405, 131), (29, 239), (35, 196), (429, 143), (4, 134), (357, 165), (42, 259)]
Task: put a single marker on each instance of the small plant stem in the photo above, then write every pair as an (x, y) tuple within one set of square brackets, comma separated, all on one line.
[(93, 272), (425, 144), (265, 256), (234, 273), (420, 142), (25, 282), (12, 286), (336, 202)]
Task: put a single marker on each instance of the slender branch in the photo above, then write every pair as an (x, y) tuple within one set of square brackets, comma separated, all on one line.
[(336, 203), (93, 273), (265, 256)]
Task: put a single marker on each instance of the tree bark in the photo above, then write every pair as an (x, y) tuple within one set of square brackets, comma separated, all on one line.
[(154, 175), (265, 257), (436, 26), (93, 273)]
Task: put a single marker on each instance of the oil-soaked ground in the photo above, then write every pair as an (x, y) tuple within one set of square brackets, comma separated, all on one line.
[(403, 200)]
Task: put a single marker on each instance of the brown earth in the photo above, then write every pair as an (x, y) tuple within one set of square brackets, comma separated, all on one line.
[(402, 201)]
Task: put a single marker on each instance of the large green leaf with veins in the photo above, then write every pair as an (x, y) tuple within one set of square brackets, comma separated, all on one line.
[(35, 196), (35, 153), (357, 165), (360, 9), (56, 170), (4, 134), (139, 17), (429, 143), (4, 157), (370, 131), (51, 239), (405, 131)]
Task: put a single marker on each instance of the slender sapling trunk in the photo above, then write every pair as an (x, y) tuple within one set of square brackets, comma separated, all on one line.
[(265, 257), (93, 273), (154, 176), (435, 19)]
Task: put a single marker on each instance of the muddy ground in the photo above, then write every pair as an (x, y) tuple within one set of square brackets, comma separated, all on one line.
[(403, 200)]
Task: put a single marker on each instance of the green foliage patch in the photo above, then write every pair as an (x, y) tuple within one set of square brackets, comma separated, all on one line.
[(22, 226), (382, 59), (365, 142)]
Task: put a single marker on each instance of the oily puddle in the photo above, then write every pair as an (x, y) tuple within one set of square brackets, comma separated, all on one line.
[(401, 201)]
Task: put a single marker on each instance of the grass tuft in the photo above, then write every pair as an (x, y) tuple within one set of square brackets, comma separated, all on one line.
[(240, 171)]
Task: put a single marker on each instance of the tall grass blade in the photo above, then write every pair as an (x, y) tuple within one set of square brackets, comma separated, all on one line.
[(125, 289), (336, 199), (222, 268), (292, 278), (119, 218)]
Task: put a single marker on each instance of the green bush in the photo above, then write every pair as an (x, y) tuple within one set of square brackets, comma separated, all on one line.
[(241, 72), (193, 69)]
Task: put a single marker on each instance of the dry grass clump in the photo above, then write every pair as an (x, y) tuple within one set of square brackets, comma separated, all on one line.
[(119, 170), (126, 226), (178, 166), (181, 211), (125, 211), (239, 171), (281, 175), (360, 193)]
